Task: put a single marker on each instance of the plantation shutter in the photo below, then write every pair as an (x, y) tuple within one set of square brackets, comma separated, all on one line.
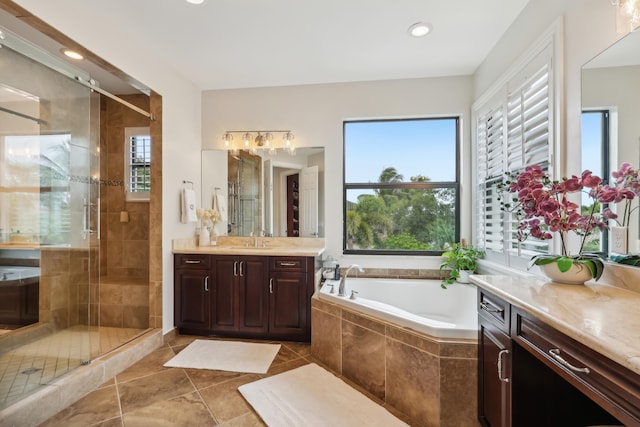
[(490, 171), (510, 137), (528, 130)]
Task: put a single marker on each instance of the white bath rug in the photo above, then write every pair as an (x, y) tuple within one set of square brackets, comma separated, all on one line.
[(232, 356), (311, 396)]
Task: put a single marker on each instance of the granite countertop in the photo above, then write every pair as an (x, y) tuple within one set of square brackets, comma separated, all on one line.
[(602, 317), (273, 246)]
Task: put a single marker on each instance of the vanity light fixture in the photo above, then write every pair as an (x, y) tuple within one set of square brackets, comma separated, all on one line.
[(420, 29), (254, 140), (627, 15)]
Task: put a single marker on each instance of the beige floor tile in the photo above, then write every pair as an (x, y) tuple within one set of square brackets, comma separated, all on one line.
[(98, 406), (145, 391), (225, 401), (247, 420), (203, 378), (188, 410), (150, 364)]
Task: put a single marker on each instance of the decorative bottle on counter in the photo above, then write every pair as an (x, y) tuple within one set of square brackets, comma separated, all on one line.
[(204, 239)]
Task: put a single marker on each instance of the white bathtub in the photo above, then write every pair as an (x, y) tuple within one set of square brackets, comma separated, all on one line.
[(421, 305)]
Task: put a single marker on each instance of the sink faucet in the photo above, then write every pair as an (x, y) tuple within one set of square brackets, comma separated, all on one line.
[(341, 288)]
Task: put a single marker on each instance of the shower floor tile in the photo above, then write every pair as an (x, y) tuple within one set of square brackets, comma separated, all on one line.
[(24, 369)]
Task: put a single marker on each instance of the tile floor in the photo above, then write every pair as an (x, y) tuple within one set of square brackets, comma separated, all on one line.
[(148, 394), (26, 368)]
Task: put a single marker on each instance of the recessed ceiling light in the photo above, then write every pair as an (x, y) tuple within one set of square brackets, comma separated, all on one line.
[(196, 1), (420, 29), (72, 54)]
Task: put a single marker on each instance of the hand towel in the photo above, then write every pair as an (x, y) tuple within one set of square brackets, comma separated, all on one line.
[(220, 204), (188, 206)]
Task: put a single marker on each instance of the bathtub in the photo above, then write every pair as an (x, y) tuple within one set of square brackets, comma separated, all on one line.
[(421, 305)]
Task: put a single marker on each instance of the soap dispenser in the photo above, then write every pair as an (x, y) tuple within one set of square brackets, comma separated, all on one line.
[(336, 275)]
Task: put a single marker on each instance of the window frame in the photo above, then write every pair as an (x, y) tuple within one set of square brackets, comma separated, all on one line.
[(605, 159), (129, 133), (456, 185)]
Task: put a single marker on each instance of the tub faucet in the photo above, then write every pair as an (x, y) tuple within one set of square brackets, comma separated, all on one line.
[(341, 290)]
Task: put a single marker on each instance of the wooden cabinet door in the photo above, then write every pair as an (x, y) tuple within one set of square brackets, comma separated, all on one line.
[(192, 299), (224, 313), (253, 295), (494, 380), (288, 304)]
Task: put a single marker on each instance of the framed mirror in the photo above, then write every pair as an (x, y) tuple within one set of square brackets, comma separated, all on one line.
[(610, 124), (280, 195)]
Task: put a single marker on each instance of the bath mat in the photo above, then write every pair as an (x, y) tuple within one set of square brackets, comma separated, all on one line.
[(311, 396), (232, 356)]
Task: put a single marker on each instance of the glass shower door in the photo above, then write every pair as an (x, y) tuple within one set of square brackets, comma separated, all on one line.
[(49, 208)]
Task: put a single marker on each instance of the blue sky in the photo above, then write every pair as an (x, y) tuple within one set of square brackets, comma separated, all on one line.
[(592, 143), (413, 147)]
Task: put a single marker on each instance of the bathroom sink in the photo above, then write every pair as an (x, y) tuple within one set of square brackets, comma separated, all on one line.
[(245, 248)]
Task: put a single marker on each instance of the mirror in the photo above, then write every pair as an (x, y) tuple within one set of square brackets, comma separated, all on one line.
[(279, 194), (611, 100)]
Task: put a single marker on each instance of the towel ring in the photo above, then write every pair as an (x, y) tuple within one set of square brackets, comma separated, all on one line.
[(188, 182)]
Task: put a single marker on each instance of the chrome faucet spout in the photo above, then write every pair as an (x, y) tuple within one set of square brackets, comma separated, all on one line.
[(342, 292)]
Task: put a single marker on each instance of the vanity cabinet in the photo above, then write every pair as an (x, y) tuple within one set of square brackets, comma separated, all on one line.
[(530, 374), (494, 361), (248, 296), (290, 290), (240, 295), (192, 274)]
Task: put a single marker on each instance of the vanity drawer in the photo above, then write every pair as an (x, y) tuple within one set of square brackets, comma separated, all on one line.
[(612, 386), (285, 263), (198, 261), (494, 309)]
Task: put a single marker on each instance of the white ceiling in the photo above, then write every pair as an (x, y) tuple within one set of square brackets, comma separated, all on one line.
[(252, 43)]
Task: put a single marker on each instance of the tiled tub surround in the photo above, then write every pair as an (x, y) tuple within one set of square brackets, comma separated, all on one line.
[(421, 305), (431, 380)]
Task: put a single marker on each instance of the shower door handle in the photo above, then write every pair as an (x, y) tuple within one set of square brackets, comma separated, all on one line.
[(86, 216)]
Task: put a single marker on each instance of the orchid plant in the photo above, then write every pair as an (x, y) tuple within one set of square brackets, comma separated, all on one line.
[(626, 188), (208, 217), (543, 206)]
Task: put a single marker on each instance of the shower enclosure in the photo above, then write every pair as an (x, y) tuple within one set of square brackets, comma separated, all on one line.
[(245, 205), (49, 220)]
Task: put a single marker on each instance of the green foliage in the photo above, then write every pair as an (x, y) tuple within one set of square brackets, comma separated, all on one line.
[(410, 218), (457, 259), (405, 241)]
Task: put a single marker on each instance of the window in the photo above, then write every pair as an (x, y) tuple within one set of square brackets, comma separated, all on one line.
[(137, 163), (401, 186), (514, 134), (35, 196), (595, 157)]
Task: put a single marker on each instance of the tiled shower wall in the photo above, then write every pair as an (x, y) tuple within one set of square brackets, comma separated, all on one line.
[(124, 246)]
